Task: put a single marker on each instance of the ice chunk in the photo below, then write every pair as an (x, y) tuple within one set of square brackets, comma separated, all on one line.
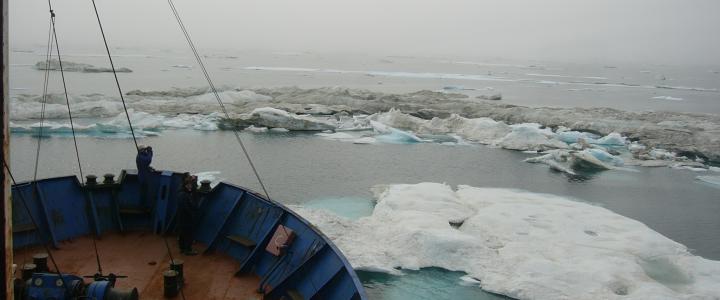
[(520, 244), (529, 136), (661, 154), (213, 176), (612, 139), (365, 140), (271, 117), (606, 157), (397, 136), (571, 137), (254, 129)]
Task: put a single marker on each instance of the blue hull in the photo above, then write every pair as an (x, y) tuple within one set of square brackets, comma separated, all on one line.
[(233, 220)]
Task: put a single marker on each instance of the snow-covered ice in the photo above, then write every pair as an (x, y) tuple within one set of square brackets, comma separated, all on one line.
[(520, 244)]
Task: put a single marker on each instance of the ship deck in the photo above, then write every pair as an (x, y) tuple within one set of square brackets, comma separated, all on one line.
[(142, 256)]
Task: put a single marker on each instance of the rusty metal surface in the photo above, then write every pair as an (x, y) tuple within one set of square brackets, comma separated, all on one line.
[(143, 257)]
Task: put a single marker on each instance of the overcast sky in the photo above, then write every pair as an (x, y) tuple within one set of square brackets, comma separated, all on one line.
[(602, 31)]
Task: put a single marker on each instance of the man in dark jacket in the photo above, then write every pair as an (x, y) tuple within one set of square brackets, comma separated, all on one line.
[(188, 202), (143, 161)]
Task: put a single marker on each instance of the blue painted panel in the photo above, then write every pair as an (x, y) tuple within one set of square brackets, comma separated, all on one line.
[(319, 273), (340, 287), (256, 222), (66, 207), (105, 209), (129, 196), (216, 210), (21, 217), (161, 202)]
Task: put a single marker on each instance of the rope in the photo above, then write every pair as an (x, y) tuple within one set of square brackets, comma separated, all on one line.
[(48, 56), (117, 82), (217, 96), (32, 219), (67, 99), (72, 124)]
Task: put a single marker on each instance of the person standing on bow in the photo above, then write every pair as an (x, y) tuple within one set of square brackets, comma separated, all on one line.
[(143, 161), (188, 202)]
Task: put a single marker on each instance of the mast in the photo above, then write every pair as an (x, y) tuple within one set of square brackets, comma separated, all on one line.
[(5, 205)]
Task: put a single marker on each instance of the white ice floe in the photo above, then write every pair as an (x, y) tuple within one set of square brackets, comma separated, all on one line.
[(669, 98), (272, 117), (69, 66), (572, 161), (254, 129), (365, 140), (212, 176), (144, 124), (714, 180), (520, 244), (529, 136)]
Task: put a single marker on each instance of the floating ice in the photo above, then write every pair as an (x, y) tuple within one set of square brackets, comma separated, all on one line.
[(145, 124), (606, 157), (669, 98), (213, 176), (69, 66), (612, 139), (254, 129), (520, 244), (530, 137), (572, 137), (365, 140), (271, 117), (714, 180)]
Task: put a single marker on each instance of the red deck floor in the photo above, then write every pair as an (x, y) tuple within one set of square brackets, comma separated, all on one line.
[(143, 257)]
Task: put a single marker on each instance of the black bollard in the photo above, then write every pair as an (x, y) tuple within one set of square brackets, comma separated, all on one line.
[(109, 178), (177, 266), (170, 284), (91, 180), (205, 186), (40, 261), (27, 271)]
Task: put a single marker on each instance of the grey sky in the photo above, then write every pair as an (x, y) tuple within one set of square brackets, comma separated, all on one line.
[(657, 31)]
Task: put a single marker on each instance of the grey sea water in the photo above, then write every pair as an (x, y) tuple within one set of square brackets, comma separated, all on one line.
[(300, 168)]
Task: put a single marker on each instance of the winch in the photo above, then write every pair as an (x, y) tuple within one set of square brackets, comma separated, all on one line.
[(66, 287)]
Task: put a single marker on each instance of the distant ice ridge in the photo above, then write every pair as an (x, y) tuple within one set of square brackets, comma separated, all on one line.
[(144, 124), (520, 244), (691, 135), (69, 66)]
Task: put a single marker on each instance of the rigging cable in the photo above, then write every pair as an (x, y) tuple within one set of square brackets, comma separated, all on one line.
[(72, 125), (117, 82), (67, 99), (217, 96)]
